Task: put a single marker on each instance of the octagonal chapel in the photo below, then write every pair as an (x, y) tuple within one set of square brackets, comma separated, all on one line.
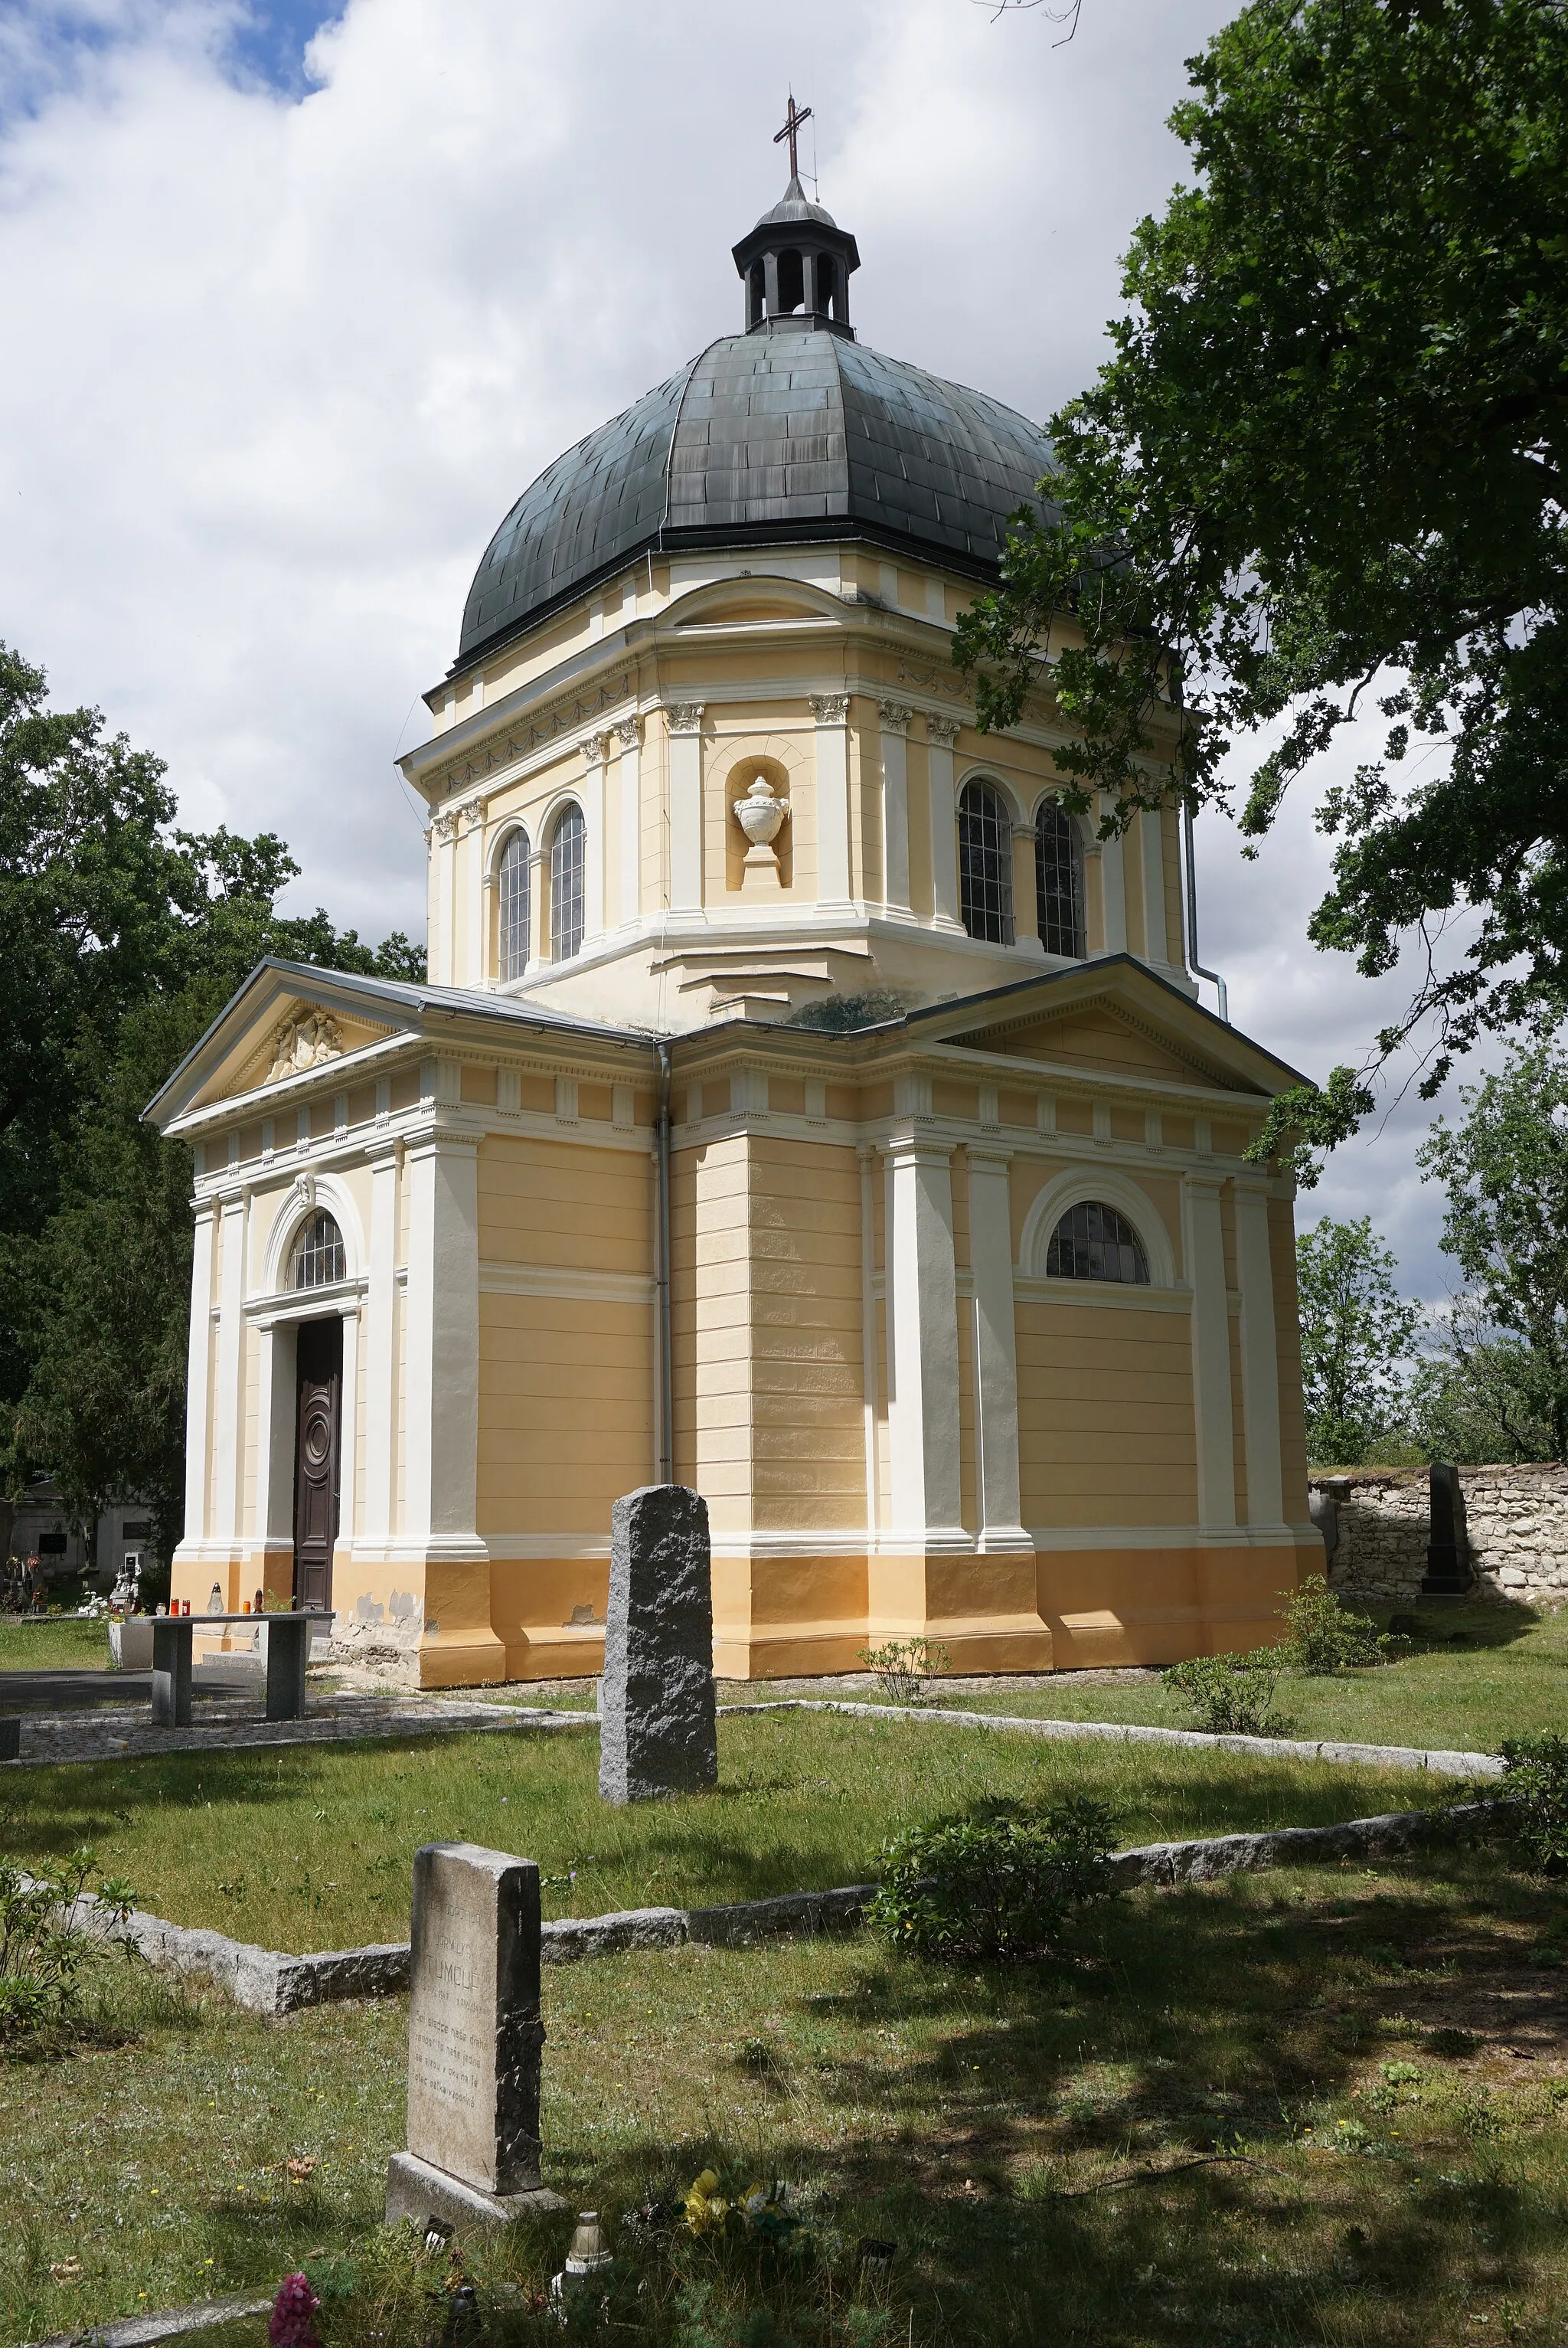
[(801, 1104)]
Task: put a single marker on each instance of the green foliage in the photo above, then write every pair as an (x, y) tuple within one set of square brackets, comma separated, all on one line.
[(1505, 1170), (1478, 1394), (1325, 461), (997, 1882), (904, 1665), (127, 938), (1356, 1340), (841, 1015), (1323, 1635), (1231, 1696), (42, 1956), (1537, 1785)]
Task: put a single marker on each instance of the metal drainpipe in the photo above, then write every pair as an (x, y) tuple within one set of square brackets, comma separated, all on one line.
[(662, 1275), (1196, 966)]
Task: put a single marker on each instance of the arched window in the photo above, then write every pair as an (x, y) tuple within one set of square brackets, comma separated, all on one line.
[(318, 1257), (512, 886), (1093, 1241), (566, 869), (985, 863), (1058, 880)]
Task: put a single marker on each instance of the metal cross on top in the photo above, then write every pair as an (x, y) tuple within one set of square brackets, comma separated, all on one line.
[(793, 120)]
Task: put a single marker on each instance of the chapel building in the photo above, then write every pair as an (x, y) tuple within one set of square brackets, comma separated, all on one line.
[(803, 1104)]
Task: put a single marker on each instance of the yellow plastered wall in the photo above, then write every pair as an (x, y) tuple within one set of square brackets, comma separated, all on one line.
[(711, 1327), (566, 1412), (1105, 1416), (808, 1447)]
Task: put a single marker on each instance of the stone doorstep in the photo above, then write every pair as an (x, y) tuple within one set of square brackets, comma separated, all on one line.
[(266, 1981), (143, 2330)]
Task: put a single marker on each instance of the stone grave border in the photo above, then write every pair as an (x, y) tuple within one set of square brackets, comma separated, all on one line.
[(269, 1980)]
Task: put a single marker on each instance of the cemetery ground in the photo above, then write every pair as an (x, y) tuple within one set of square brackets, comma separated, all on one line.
[(1379, 2059)]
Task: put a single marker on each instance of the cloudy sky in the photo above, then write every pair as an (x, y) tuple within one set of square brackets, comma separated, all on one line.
[(299, 302)]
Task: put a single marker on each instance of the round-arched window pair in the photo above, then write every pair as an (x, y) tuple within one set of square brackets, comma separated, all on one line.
[(318, 1259), (568, 864), (1093, 1241), (985, 871)]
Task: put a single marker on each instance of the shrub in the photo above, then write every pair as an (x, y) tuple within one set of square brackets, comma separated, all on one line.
[(1536, 1784), (995, 1882), (42, 1956), (1321, 1635), (1232, 1695), (904, 1665)]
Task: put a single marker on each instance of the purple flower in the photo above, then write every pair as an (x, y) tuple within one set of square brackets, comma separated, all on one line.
[(290, 2325)]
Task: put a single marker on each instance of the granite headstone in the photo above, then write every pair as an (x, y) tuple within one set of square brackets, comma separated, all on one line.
[(658, 1731), (1448, 1573), (475, 2037)]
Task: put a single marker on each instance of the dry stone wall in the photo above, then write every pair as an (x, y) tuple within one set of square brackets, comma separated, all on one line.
[(1376, 1524)]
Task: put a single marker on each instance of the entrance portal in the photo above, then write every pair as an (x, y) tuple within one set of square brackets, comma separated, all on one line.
[(316, 1442)]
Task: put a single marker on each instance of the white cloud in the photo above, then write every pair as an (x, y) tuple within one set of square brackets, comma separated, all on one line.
[(285, 361)]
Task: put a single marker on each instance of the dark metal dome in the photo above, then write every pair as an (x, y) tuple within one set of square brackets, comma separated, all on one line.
[(792, 431)]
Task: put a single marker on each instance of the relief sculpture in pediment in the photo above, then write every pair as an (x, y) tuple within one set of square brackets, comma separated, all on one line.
[(305, 1041)]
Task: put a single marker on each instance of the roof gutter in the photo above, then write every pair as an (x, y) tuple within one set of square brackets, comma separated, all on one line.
[(1193, 962)]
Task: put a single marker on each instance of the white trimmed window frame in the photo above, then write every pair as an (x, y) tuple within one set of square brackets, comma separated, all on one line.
[(1084, 1185)]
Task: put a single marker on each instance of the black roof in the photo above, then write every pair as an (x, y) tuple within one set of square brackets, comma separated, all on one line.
[(794, 431)]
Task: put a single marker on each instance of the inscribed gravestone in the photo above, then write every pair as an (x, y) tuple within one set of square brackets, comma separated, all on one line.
[(657, 1732), (474, 2039)]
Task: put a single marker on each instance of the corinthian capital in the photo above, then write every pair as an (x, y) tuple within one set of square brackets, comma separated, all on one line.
[(942, 731), (895, 716), (629, 732), (829, 708), (593, 749), (684, 716)]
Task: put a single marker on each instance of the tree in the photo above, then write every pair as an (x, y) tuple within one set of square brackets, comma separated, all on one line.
[(1505, 1170), (1355, 1336), (1326, 461), (1479, 1393), (130, 936)]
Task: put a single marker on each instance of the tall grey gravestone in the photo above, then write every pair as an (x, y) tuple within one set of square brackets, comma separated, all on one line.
[(475, 2038), (657, 1732)]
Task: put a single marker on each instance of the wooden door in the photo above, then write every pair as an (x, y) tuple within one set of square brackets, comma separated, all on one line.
[(316, 1442)]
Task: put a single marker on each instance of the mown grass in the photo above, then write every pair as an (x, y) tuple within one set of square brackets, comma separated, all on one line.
[(981, 2122), (63, 1644), (311, 1846), (1509, 1679)]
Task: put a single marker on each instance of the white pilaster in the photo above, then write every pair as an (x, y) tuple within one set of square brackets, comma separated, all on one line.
[(1259, 1356), (629, 737), (441, 1441), (1214, 1425), (895, 725), (230, 1398), (445, 828), (923, 1346), (941, 733), (685, 721), (381, 1343), (476, 955), (831, 711), (594, 845), (349, 1506), (869, 1381), (996, 1352), (1152, 856), (1113, 893), (276, 1385), (197, 1421)]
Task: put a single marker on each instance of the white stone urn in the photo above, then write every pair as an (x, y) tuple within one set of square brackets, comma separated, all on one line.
[(761, 816)]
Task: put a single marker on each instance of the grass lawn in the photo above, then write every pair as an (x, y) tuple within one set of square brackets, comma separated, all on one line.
[(311, 1846), (1387, 2051), (1509, 1679), (63, 1643)]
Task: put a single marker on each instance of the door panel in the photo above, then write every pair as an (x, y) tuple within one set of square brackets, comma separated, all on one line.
[(319, 1412)]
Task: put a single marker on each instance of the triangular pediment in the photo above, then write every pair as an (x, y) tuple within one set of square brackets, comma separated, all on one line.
[(285, 1023), (1113, 1017), (304, 1034)]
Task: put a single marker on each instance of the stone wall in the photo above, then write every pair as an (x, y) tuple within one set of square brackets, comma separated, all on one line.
[(1375, 1523)]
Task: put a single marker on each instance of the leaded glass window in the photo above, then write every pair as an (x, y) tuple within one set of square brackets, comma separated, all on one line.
[(985, 863), (512, 881), (318, 1257), (1058, 880), (1093, 1241), (568, 860)]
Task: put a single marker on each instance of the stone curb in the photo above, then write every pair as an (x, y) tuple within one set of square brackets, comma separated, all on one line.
[(1366, 1756), (268, 1981), (144, 2330)]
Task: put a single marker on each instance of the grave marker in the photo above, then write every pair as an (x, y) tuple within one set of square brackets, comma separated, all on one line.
[(475, 2038), (657, 1729)]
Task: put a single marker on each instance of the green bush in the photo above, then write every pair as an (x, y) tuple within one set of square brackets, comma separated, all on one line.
[(42, 1958), (1321, 1635), (904, 1665), (995, 1882), (1232, 1695), (1536, 1785)]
